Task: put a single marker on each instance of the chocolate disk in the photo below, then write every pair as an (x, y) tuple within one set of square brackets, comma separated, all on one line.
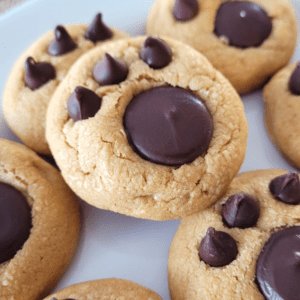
[(244, 24), (156, 53), (278, 265), (240, 210), (37, 73), (110, 70), (217, 248), (83, 104), (97, 30), (62, 42), (294, 82), (15, 221), (185, 10), (286, 188), (168, 125)]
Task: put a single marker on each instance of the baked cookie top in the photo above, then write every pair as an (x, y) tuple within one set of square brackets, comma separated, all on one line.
[(38, 72), (113, 167), (258, 40), (232, 249), (45, 249), (111, 288), (282, 109)]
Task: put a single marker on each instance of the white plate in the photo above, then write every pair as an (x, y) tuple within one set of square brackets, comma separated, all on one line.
[(113, 245)]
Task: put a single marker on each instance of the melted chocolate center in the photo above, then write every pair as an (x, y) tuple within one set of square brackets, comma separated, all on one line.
[(278, 265), (168, 125), (15, 221), (244, 24), (185, 10), (294, 82)]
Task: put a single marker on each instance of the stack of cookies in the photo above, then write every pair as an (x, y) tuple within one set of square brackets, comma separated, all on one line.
[(153, 127)]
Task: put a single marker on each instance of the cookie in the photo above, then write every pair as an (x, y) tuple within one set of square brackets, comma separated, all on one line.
[(281, 109), (167, 140), (247, 41), (245, 246), (102, 289), (39, 226), (38, 72)]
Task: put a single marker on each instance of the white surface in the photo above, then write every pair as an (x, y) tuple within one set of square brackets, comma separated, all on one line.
[(113, 245)]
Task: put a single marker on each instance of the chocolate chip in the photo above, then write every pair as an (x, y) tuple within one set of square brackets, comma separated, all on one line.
[(156, 53), (294, 82), (83, 104), (98, 31), (217, 248), (286, 188), (168, 125), (242, 23), (278, 265), (185, 10), (62, 42), (15, 221), (110, 70), (240, 210), (37, 73)]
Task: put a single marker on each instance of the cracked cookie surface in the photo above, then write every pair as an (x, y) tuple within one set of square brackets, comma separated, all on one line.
[(22, 105), (246, 68), (97, 161), (191, 278), (37, 266)]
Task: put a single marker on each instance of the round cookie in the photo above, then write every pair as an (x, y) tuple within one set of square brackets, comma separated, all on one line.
[(33, 81), (282, 111), (115, 168), (203, 261), (102, 289), (233, 47), (50, 217)]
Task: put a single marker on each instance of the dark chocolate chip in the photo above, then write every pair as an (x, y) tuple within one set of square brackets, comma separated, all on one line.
[(83, 104), (294, 82), (98, 31), (110, 70), (168, 125), (286, 188), (37, 73), (62, 42), (217, 248), (278, 265), (242, 23), (240, 210), (185, 10), (15, 221), (156, 53)]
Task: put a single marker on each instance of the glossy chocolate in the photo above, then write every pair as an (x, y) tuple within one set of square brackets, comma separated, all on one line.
[(185, 10), (62, 42), (110, 70), (97, 30), (240, 210), (15, 221), (168, 125), (286, 188), (156, 53), (217, 248), (243, 24), (37, 73), (278, 265), (294, 82), (83, 104)]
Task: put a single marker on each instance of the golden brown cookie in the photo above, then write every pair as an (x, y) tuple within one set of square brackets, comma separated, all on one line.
[(98, 156), (282, 107), (102, 289), (33, 81), (259, 206), (48, 229), (247, 41)]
